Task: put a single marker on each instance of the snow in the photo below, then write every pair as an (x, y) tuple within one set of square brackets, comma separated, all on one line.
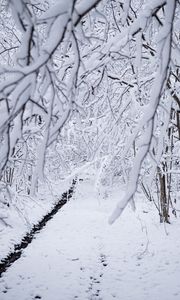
[(25, 211), (61, 8), (79, 256)]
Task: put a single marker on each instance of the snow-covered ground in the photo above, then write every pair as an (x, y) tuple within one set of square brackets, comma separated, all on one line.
[(79, 256), (25, 211)]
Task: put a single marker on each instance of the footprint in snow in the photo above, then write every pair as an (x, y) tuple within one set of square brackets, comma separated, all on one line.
[(37, 297), (103, 260)]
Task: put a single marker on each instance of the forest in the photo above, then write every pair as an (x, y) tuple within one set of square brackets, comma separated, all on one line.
[(90, 109)]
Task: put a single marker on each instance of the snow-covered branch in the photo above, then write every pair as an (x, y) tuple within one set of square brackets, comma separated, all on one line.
[(145, 125)]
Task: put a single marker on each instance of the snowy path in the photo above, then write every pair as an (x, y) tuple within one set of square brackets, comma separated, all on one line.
[(79, 256)]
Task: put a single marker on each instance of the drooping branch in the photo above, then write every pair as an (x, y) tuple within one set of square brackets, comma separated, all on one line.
[(145, 126)]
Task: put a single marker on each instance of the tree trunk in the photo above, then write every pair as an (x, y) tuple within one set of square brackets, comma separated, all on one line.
[(164, 206)]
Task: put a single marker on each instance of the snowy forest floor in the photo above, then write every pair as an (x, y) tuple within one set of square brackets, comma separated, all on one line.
[(79, 256)]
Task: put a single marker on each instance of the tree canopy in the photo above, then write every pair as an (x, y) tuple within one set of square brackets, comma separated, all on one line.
[(109, 67)]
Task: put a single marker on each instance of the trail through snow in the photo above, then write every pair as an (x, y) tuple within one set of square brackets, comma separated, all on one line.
[(79, 256)]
